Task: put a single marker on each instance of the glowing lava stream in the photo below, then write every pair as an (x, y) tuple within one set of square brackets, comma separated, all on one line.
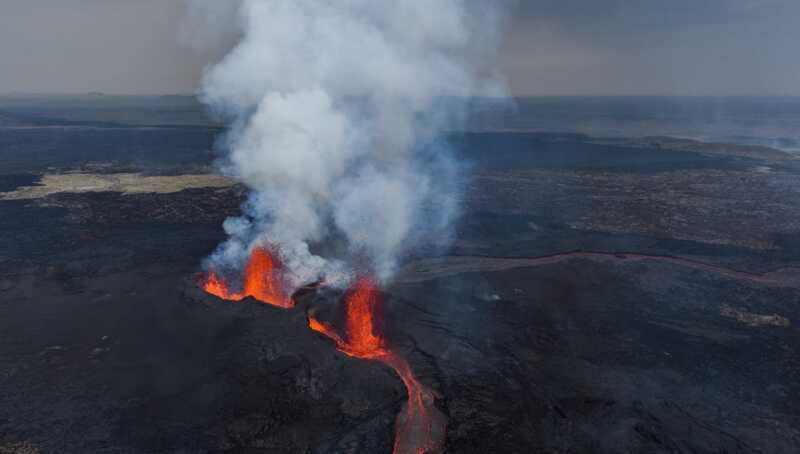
[(420, 428), (261, 281)]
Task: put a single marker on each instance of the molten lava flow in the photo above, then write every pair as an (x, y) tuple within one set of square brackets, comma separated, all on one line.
[(420, 428), (322, 328), (363, 341), (261, 281), (216, 286)]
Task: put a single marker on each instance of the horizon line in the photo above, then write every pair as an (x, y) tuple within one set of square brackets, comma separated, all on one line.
[(100, 94)]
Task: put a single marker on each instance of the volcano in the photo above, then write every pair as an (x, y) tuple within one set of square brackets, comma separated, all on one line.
[(420, 428), (577, 311)]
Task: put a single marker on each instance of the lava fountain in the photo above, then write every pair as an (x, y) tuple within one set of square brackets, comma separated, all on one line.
[(261, 280), (420, 427)]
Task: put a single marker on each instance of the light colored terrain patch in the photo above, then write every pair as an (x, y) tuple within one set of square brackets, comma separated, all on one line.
[(698, 329), (24, 447), (754, 319), (127, 183)]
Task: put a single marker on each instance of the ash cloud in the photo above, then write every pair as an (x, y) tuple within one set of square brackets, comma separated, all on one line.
[(337, 110)]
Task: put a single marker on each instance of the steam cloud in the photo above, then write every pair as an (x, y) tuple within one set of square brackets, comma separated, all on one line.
[(337, 108)]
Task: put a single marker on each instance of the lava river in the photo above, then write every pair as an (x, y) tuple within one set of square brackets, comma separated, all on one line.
[(420, 427)]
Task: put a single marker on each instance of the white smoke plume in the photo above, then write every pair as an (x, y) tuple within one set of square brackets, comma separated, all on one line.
[(336, 110)]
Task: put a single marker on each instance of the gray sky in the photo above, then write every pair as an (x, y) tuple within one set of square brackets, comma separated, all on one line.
[(691, 47)]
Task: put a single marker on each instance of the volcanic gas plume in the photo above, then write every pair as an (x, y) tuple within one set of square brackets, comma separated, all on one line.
[(337, 111)]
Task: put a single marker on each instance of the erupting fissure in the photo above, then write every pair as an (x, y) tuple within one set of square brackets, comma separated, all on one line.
[(420, 427), (345, 144), (363, 339), (261, 281)]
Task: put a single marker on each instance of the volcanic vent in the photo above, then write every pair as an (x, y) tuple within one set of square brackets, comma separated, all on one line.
[(338, 114), (261, 281), (420, 427)]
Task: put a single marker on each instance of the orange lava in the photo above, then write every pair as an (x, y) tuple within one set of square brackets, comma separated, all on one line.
[(363, 337), (261, 281), (420, 428)]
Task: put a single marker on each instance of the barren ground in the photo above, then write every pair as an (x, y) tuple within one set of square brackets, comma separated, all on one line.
[(607, 302)]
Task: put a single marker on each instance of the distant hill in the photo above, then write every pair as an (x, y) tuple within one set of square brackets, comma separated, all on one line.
[(15, 120), (10, 120), (100, 110)]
